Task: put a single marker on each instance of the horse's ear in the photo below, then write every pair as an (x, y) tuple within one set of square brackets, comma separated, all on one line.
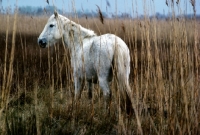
[(56, 14)]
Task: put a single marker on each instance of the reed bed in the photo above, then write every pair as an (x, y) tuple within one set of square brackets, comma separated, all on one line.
[(36, 85)]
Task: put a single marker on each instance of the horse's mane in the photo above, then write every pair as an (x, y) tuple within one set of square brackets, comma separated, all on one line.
[(86, 33)]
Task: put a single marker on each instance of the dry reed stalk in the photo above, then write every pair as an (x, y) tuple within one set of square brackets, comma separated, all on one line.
[(8, 75), (36, 107), (158, 78), (101, 18), (5, 65), (10, 70), (52, 87)]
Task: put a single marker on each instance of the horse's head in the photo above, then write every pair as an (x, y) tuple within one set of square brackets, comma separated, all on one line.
[(53, 30)]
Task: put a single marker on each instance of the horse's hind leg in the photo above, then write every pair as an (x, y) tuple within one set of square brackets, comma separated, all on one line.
[(104, 85)]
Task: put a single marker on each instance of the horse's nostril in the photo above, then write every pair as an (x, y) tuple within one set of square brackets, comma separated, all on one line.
[(42, 43)]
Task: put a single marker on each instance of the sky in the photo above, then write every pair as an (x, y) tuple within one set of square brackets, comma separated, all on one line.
[(133, 7)]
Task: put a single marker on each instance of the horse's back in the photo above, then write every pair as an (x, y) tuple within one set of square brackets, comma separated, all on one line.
[(120, 52), (103, 49), (99, 55), (105, 46), (108, 42)]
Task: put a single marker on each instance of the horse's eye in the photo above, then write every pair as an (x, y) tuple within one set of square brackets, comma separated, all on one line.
[(51, 25)]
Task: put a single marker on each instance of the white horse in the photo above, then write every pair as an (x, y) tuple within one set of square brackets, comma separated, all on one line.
[(92, 56)]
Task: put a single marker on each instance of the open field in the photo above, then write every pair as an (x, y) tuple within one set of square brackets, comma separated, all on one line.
[(36, 85)]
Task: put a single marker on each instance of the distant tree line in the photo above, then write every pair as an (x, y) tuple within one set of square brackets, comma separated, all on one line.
[(29, 10), (48, 10)]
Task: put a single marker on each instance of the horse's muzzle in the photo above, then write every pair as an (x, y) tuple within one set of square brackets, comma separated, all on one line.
[(42, 42)]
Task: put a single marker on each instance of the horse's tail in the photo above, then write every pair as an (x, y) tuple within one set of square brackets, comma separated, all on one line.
[(122, 68)]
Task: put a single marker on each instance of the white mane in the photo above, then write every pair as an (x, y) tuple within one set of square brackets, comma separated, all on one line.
[(87, 32)]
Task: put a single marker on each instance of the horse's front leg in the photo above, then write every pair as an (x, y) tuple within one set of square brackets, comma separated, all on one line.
[(78, 83)]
